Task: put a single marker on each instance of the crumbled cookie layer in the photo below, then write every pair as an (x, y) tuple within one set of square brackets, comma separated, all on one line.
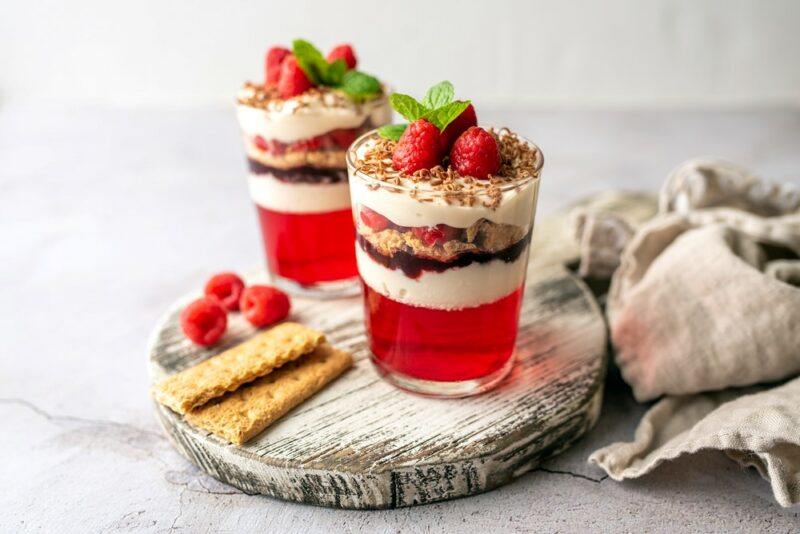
[(321, 159), (482, 237)]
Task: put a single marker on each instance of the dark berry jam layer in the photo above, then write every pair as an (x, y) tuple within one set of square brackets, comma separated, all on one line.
[(299, 175), (413, 266)]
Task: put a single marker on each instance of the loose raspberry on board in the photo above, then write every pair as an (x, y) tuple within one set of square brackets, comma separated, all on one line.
[(227, 288), (264, 305), (204, 321)]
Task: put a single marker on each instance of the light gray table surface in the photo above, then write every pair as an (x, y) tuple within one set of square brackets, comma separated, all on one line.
[(106, 216)]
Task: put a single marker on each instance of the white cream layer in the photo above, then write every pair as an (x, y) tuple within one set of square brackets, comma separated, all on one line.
[(517, 206), (291, 123), (456, 288), (273, 194)]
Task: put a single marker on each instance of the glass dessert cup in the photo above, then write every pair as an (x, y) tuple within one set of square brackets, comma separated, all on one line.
[(443, 281), (298, 183)]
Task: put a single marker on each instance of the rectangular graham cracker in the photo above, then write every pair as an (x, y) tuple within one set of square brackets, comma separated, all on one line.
[(240, 415), (239, 365)]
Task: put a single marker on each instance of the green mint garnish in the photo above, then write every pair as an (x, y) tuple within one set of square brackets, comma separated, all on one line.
[(444, 115), (437, 107), (359, 86), (392, 131), (407, 106), (311, 61), (355, 84), (440, 94), (336, 72)]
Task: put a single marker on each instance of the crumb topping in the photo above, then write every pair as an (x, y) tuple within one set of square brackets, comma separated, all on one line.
[(259, 96), (519, 160)]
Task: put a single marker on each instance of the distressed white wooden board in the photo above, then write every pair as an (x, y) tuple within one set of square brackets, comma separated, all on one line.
[(361, 443)]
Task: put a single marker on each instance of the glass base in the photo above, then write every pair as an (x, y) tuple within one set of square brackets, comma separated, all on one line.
[(443, 390), (348, 287)]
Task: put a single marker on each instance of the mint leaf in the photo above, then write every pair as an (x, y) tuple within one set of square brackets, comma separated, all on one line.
[(440, 94), (407, 106), (392, 131), (311, 61), (335, 73), (360, 86), (442, 116)]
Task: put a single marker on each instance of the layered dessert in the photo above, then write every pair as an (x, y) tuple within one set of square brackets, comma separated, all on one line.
[(444, 213), (297, 126)]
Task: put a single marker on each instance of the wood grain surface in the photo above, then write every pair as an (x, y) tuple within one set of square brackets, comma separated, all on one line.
[(361, 443)]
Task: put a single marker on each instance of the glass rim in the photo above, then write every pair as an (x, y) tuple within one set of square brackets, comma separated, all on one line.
[(350, 157)]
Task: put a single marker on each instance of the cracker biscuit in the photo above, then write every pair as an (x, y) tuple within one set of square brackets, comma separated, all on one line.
[(240, 415), (243, 363)]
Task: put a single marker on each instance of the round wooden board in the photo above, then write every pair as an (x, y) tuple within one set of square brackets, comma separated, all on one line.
[(361, 443)]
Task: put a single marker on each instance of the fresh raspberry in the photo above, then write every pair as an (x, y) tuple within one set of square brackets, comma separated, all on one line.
[(305, 145), (264, 305), (418, 148), (345, 52), (260, 143), (227, 288), (459, 125), (441, 233), (373, 219), (344, 137), (293, 81), (204, 321), (272, 146), (475, 153), (272, 63), (429, 234)]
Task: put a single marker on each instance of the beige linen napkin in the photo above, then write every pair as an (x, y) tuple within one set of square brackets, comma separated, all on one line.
[(760, 430), (703, 299)]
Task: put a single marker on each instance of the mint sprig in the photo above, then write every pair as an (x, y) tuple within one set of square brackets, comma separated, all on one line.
[(440, 94), (392, 131), (444, 115), (311, 61), (407, 106), (359, 86), (437, 107), (355, 84)]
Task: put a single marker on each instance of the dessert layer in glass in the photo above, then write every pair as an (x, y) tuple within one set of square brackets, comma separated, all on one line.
[(441, 345), (295, 151), (442, 260)]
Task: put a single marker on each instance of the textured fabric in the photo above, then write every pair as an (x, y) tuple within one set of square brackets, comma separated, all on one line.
[(705, 298), (692, 309), (602, 238), (761, 430)]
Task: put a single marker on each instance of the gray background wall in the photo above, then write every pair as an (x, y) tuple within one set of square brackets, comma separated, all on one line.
[(543, 52)]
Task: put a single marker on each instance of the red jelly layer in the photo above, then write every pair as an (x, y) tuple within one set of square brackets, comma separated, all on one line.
[(309, 247), (441, 345)]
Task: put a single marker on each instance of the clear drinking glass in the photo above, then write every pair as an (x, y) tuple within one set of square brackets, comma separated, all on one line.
[(443, 328), (298, 182)]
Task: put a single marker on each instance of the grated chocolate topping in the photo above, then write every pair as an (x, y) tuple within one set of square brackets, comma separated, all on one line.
[(519, 160), (257, 95)]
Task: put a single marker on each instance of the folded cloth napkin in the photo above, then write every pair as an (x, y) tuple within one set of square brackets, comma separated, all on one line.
[(704, 298)]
